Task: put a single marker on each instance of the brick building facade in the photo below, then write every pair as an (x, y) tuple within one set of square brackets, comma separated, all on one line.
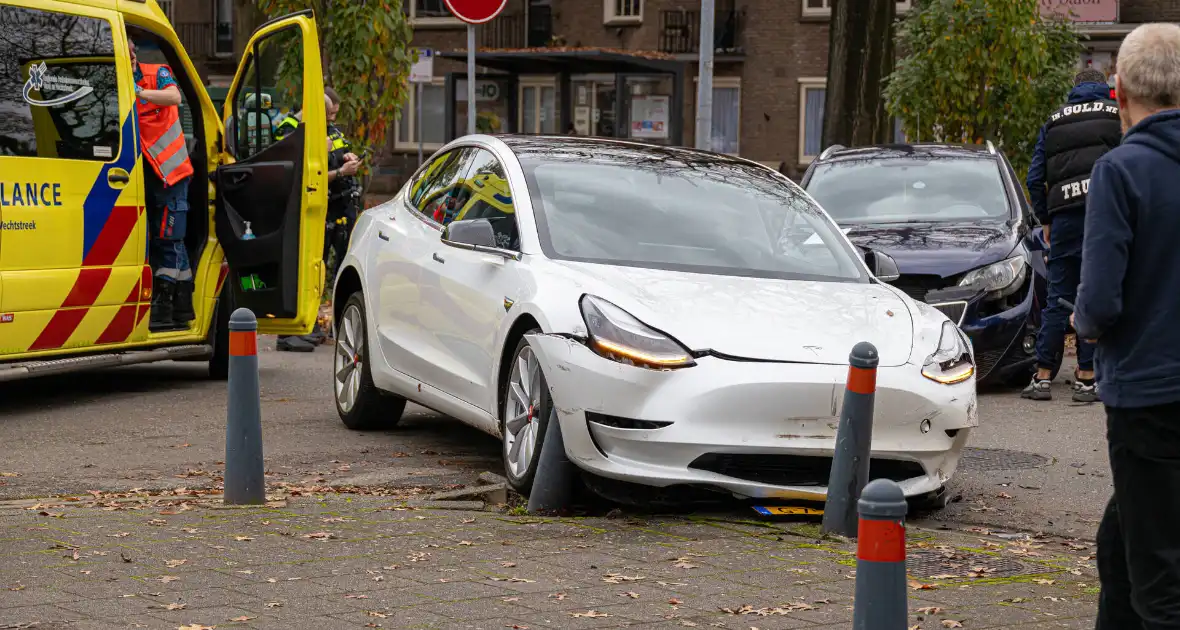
[(770, 67)]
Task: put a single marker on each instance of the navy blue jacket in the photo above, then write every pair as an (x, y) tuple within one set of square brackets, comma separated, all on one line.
[(1082, 93), (1130, 290)]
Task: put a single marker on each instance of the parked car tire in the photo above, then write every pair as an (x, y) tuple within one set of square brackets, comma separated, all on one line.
[(525, 414), (219, 335), (361, 406)]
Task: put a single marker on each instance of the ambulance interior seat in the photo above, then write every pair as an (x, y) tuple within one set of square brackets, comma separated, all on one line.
[(197, 230)]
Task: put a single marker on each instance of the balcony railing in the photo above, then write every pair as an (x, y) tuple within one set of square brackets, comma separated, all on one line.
[(680, 32)]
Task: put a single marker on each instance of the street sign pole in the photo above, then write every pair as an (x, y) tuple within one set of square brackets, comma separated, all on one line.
[(470, 78), (704, 131), (418, 101)]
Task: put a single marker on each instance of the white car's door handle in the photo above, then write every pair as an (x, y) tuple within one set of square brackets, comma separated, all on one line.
[(438, 259)]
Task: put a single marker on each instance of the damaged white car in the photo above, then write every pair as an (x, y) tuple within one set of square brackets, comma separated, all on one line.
[(687, 318)]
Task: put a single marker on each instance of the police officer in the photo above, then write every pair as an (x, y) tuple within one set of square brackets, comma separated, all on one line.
[(1069, 144), (166, 182), (344, 193)]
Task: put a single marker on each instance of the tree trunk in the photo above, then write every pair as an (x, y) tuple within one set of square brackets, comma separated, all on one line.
[(860, 58)]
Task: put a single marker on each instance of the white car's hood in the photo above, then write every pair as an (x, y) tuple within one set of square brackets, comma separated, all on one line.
[(756, 318)]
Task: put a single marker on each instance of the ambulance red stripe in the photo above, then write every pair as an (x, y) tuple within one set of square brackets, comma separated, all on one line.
[(113, 236), (58, 330), (87, 287), (120, 327)]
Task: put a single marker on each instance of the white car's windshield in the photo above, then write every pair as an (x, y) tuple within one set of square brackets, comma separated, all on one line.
[(897, 190), (675, 210)]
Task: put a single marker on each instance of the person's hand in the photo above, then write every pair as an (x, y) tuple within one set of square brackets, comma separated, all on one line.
[(351, 157), (1045, 233), (1075, 327), (349, 169)]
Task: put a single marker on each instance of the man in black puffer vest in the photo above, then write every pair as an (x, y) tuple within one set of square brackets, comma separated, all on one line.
[(1074, 137)]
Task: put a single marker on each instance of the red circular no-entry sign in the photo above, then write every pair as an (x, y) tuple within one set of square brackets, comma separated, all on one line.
[(476, 11)]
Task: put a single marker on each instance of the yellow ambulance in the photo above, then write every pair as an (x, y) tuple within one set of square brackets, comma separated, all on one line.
[(75, 283)]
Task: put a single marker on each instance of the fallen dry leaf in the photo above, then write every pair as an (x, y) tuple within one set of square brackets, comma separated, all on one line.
[(513, 579), (157, 522), (1003, 495), (589, 613), (558, 596), (242, 538), (615, 578), (356, 597), (9, 474), (196, 626), (167, 578), (683, 563), (929, 610), (374, 613), (468, 520), (944, 576), (174, 563), (951, 623), (465, 543), (511, 599), (1045, 582), (274, 605), (177, 606), (507, 565), (320, 536), (18, 587), (675, 602), (631, 594), (918, 586), (119, 535)]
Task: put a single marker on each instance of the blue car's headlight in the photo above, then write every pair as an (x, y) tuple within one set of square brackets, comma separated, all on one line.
[(998, 280)]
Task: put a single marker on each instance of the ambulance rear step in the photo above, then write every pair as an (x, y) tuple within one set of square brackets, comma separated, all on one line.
[(30, 369)]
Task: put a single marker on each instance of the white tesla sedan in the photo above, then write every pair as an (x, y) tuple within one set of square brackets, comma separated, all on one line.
[(687, 317)]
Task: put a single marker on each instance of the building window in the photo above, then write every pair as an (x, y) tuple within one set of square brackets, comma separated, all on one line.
[(427, 12), (727, 115), (538, 106), (811, 118), (622, 11), (816, 8), (432, 126), (223, 20)]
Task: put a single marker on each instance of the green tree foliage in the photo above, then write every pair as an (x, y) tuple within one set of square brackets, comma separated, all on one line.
[(366, 58), (977, 70)]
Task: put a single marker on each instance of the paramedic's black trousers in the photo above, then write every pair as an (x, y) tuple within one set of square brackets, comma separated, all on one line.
[(1139, 538)]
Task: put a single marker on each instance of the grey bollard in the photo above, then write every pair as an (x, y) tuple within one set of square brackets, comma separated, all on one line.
[(881, 601), (553, 485), (245, 481), (854, 436)]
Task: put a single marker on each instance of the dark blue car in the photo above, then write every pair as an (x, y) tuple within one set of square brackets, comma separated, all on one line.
[(955, 220)]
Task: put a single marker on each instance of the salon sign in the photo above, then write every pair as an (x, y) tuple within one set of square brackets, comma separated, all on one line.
[(1082, 10)]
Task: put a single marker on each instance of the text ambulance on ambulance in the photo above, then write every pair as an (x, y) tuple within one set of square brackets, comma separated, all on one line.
[(76, 282)]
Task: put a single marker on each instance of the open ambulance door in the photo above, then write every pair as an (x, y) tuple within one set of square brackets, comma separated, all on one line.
[(271, 194)]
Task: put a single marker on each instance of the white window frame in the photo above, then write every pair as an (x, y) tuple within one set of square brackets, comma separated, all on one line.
[(805, 84), (611, 16), (903, 6), (410, 109), (415, 21), (537, 82), (727, 83)]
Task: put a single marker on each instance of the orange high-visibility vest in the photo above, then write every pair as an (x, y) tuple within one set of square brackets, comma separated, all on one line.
[(161, 133)]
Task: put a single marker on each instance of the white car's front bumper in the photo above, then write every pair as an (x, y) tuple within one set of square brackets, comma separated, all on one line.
[(755, 429)]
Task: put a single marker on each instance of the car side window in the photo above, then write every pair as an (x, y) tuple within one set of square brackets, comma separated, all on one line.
[(59, 86), (270, 91), (440, 191), (491, 198)]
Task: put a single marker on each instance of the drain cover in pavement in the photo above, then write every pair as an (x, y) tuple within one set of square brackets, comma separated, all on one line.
[(1000, 459), (928, 563)]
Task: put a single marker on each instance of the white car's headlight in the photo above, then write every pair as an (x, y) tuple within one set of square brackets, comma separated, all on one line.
[(617, 335), (1000, 279), (951, 362)]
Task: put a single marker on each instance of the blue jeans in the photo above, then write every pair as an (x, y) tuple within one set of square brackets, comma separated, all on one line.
[(167, 208), (1065, 272)]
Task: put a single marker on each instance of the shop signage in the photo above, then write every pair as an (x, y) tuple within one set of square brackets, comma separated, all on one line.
[(1082, 10)]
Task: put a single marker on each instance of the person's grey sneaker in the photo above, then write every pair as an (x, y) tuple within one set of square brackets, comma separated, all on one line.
[(1085, 392), (1038, 390), (293, 344)]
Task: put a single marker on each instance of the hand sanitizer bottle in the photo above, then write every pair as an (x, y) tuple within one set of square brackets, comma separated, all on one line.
[(249, 235)]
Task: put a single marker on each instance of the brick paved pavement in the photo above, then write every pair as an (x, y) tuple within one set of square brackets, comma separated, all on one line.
[(355, 561)]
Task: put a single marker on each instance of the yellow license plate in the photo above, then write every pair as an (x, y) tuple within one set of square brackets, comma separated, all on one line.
[(785, 510)]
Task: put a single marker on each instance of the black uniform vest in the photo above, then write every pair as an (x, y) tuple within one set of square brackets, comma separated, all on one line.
[(1075, 137)]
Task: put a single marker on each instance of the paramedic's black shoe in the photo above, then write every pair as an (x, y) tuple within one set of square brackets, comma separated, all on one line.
[(182, 304), (316, 336), (1038, 390), (293, 344), (1084, 391), (163, 294)]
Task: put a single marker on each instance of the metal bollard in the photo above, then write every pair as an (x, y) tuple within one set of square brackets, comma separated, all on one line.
[(854, 436), (245, 483), (553, 485), (881, 602)]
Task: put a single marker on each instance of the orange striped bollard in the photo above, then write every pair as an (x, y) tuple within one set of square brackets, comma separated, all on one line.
[(854, 436), (881, 602), (245, 483)]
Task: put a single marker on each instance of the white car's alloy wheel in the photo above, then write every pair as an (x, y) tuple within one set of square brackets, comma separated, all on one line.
[(350, 356), (522, 412)]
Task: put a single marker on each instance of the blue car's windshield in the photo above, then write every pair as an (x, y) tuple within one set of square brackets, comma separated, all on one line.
[(910, 189)]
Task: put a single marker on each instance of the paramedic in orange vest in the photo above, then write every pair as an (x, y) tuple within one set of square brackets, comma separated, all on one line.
[(167, 172)]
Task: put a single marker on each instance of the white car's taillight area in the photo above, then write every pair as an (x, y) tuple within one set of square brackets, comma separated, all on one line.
[(619, 336)]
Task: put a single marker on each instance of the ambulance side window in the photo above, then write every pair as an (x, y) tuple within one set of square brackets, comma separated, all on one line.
[(270, 91), (59, 87)]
